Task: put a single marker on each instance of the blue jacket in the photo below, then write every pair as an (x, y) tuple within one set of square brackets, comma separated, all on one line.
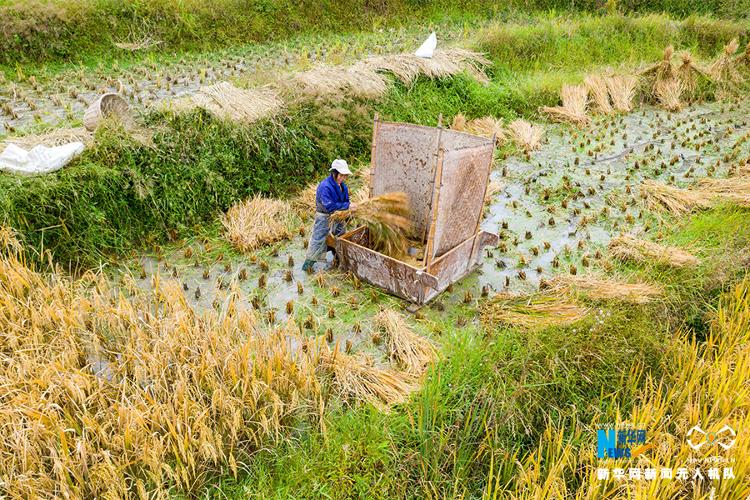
[(329, 197)]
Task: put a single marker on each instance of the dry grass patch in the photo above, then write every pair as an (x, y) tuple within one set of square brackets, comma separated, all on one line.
[(535, 311), (258, 221), (599, 287), (410, 351), (626, 247), (526, 135), (573, 109)]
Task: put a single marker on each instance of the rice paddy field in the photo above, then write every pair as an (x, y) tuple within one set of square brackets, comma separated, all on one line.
[(159, 338)]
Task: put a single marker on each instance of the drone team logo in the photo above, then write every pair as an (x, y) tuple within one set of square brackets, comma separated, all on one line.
[(724, 437)]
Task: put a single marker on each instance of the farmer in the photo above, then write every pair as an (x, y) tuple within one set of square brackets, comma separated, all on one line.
[(332, 195)]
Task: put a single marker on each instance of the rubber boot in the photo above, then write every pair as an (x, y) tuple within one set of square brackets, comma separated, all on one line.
[(308, 266)]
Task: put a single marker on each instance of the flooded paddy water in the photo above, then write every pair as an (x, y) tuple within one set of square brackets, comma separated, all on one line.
[(556, 211)]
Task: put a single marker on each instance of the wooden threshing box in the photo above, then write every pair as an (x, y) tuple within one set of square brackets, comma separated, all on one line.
[(445, 174)]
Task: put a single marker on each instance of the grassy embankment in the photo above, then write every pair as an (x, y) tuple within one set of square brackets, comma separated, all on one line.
[(121, 195)]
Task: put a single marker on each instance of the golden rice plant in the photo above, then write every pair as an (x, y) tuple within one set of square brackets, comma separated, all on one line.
[(599, 287), (410, 351), (597, 88), (526, 135), (621, 90), (574, 102), (258, 221), (626, 247), (535, 311), (388, 220)]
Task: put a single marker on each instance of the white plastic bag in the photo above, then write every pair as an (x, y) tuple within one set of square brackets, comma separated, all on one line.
[(40, 160), (428, 47)]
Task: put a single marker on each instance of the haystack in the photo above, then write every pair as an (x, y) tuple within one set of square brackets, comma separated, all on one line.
[(599, 287), (626, 247), (574, 101), (621, 89), (388, 221), (536, 311), (353, 378), (658, 196), (525, 135), (487, 126), (228, 102), (258, 221), (411, 352), (597, 88)]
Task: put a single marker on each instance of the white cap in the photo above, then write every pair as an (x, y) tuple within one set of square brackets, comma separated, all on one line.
[(340, 166)]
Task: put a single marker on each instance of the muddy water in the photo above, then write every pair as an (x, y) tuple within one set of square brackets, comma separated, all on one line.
[(558, 209)]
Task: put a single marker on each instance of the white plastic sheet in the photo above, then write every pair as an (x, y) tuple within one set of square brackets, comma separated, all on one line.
[(40, 160), (428, 47)]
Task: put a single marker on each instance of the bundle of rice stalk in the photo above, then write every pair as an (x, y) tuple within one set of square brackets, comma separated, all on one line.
[(658, 196), (669, 93), (573, 109), (329, 80), (54, 137), (689, 72), (411, 352), (525, 135), (597, 88), (487, 126), (661, 71), (602, 288), (724, 69), (228, 102), (388, 220), (626, 247), (304, 202), (353, 378), (621, 89), (258, 221), (733, 189), (443, 63), (536, 311)]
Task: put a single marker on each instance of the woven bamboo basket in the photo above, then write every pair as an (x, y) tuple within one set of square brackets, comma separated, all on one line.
[(108, 105)]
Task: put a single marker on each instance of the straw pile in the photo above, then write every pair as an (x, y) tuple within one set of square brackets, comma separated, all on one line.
[(626, 247), (602, 288), (55, 137), (525, 135), (658, 196), (487, 126), (734, 189), (669, 94), (621, 90), (689, 73), (354, 378), (536, 311), (409, 351), (388, 221), (304, 202), (724, 68), (330, 80), (597, 88), (228, 102), (664, 85), (257, 221), (573, 109)]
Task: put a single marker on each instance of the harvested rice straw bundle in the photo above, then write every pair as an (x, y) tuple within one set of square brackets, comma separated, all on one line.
[(356, 80), (626, 247), (602, 288), (669, 93), (493, 187), (304, 202), (56, 137), (411, 352), (661, 71), (597, 88), (257, 221), (388, 220), (658, 196), (525, 135), (536, 311), (724, 69), (228, 102), (574, 101), (621, 89), (407, 67), (733, 189), (486, 126), (689, 72), (353, 378)]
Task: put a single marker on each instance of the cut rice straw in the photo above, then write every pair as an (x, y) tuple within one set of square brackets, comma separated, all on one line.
[(536, 311), (225, 101), (487, 126), (597, 88), (574, 101), (629, 248), (256, 222), (658, 196), (621, 89), (525, 135), (724, 69), (669, 94), (602, 288), (411, 352)]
